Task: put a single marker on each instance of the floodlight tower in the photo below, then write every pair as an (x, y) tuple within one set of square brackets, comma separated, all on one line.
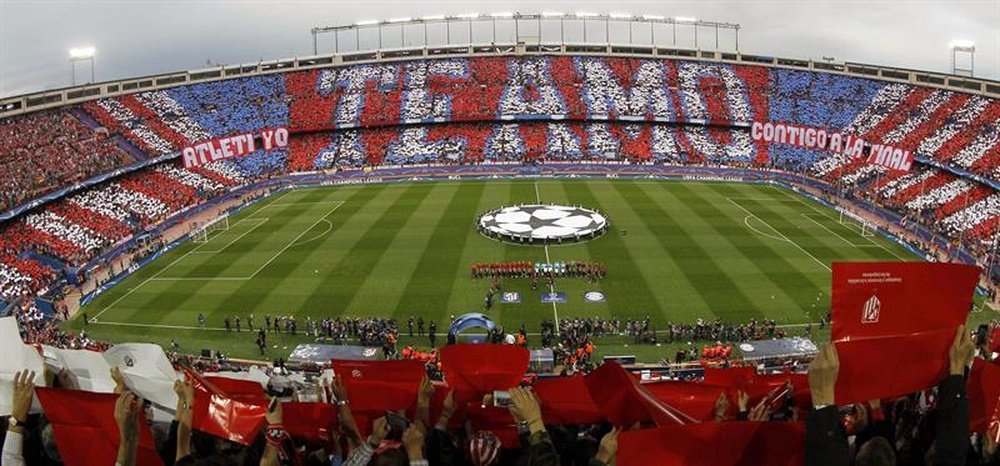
[(77, 54), (963, 46)]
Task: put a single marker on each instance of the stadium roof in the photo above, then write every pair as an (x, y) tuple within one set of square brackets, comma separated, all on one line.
[(35, 36)]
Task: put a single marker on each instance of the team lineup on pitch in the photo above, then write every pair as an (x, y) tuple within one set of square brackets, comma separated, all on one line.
[(678, 251)]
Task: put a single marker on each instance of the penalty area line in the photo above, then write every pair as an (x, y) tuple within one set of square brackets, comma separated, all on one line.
[(782, 235)]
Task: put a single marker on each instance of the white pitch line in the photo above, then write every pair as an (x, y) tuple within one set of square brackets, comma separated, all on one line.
[(552, 288), (784, 238), (230, 243), (292, 243), (155, 276), (746, 221), (831, 218), (834, 233), (113, 303), (329, 227), (199, 279)]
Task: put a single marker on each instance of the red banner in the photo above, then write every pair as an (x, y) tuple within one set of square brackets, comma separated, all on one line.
[(566, 400), (983, 390), (228, 408), (893, 323), (716, 444), (475, 370), (311, 422), (624, 402), (85, 428), (237, 145)]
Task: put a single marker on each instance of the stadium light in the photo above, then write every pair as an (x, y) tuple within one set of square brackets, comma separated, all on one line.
[(965, 47), (502, 14), (367, 22), (82, 53), (619, 15), (585, 14), (962, 44), (553, 14), (400, 20), (468, 15), (432, 17), (685, 19), (654, 17)]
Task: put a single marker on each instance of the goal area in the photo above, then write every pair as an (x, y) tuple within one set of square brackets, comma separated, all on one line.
[(854, 221), (201, 233)]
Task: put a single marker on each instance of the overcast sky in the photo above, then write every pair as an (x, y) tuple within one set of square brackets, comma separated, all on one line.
[(142, 37)]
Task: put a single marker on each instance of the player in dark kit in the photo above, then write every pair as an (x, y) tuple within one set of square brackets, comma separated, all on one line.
[(262, 340)]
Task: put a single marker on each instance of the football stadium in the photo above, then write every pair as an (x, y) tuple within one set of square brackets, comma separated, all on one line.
[(528, 237)]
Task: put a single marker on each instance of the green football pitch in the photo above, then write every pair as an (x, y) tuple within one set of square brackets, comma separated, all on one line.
[(677, 251)]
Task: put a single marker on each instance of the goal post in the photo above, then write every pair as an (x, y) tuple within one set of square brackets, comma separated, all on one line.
[(853, 220), (200, 233)]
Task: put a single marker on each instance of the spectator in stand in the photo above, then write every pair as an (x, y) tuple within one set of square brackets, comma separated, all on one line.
[(826, 439)]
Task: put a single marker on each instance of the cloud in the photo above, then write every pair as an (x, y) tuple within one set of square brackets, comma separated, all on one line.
[(142, 37)]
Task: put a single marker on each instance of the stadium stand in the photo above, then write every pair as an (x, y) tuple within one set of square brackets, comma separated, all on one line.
[(521, 110), (42, 152)]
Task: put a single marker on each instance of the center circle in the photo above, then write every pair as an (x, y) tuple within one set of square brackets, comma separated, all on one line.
[(542, 224)]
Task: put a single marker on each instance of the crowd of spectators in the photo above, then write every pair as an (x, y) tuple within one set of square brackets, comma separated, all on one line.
[(39, 328), (77, 228), (46, 151), (456, 416), (942, 124), (529, 141)]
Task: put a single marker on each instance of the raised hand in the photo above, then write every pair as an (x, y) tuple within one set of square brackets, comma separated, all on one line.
[(413, 441), (721, 406), (823, 375), (742, 400), (961, 352), (380, 429), (274, 414), (116, 375), (609, 446), (526, 408), (24, 394), (127, 417)]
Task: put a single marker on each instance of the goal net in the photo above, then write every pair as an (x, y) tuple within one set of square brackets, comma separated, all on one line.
[(855, 221), (201, 233)]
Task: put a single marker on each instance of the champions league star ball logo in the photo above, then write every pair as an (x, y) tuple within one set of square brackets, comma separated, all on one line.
[(543, 223)]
